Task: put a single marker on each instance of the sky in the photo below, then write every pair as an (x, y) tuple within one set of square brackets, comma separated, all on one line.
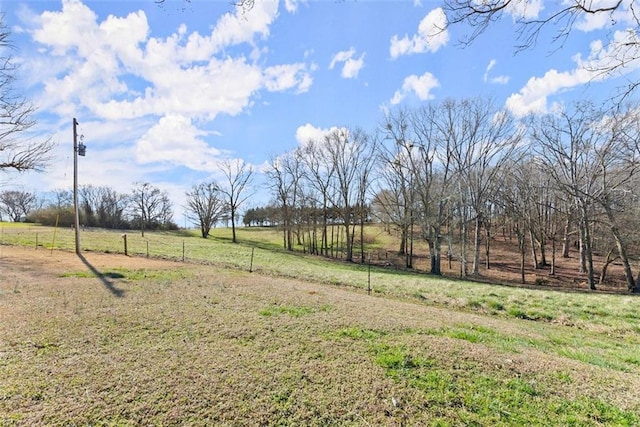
[(165, 92)]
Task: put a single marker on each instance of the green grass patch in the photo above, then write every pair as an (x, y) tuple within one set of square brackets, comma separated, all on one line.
[(473, 397)]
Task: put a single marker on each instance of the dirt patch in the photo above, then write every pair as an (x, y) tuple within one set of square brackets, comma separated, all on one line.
[(504, 267)]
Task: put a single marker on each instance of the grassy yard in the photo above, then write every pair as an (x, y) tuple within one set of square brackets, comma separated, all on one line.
[(115, 340)]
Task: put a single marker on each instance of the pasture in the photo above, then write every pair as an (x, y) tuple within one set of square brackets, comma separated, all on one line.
[(108, 339)]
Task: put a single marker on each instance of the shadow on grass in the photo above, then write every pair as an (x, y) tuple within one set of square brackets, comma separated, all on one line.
[(103, 278)]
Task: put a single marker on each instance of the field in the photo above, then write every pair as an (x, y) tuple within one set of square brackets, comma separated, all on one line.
[(246, 335)]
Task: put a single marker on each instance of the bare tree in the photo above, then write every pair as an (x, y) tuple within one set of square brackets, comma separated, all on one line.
[(513, 197), (397, 174), (205, 204), (434, 177), (564, 143), (364, 179), (62, 198), (151, 206), (89, 200), (17, 204), (482, 140), (320, 174), (349, 152), (238, 177), (285, 174), (111, 208), (617, 157), (19, 150)]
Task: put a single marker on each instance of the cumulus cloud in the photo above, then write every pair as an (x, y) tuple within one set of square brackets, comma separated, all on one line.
[(145, 100), (601, 63), (115, 70), (290, 76), (308, 132), (419, 85), (431, 36), (351, 66), (174, 139), (623, 14)]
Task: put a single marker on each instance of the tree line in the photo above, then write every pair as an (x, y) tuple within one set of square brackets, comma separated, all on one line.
[(452, 173), (456, 172), (146, 207)]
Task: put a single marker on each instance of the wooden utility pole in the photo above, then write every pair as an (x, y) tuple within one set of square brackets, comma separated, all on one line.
[(76, 220)]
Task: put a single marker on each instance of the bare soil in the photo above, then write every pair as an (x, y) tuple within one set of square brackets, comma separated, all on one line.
[(504, 267)]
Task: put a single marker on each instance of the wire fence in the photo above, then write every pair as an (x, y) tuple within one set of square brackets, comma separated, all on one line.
[(170, 245), (126, 242)]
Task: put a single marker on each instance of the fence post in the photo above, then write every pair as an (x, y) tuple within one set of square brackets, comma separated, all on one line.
[(369, 274), (124, 237), (251, 264), (183, 251)]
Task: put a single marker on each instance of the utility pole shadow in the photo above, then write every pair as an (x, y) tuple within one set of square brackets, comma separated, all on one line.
[(105, 281)]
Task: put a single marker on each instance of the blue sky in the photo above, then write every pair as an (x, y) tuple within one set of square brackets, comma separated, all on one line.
[(164, 93)]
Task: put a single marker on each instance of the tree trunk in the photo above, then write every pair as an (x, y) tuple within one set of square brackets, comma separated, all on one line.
[(362, 259), (403, 241), (543, 253), (566, 242), (603, 274), (534, 253), (583, 257), (233, 226), (463, 248), (553, 256), (487, 248), (349, 241), (588, 251), (476, 246), (521, 244), (409, 257), (622, 251), (435, 250)]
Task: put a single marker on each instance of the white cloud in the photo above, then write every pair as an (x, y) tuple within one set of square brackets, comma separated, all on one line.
[(308, 132), (594, 21), (352, 66), (341, 56), (234, 28), (144, 101), (115, 70), (527, 9), (532, 98), (178, 74), (432, 35), (420, 85), (175, 140), (292, 5), (497, 80), (289, 76)]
